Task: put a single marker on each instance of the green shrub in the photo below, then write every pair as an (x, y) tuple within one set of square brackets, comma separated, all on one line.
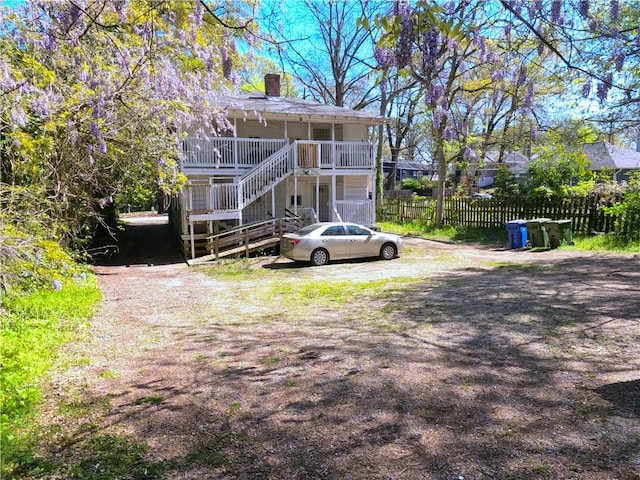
[(32, 263), (627, 212)]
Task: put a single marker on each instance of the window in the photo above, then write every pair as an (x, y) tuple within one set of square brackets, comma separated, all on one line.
[(333, 231), (296, 200), (356, 230), (322, 134), (308, 229)]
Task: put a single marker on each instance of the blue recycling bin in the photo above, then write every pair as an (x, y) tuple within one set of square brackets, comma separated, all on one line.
[(518, 236)]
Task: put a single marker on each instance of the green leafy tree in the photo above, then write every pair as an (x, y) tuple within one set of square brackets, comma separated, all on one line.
[(507, 185), (558, 166)]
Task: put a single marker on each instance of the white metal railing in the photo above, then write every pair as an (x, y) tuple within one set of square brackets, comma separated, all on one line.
[(225, 152), (356, 211)]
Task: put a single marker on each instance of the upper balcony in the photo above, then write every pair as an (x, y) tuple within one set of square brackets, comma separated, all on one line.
[(235, 156)]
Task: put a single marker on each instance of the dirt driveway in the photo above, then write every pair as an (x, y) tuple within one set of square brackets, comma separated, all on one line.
[(450, 362)]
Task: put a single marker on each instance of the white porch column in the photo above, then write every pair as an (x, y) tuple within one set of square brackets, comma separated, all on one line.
[(240, 205), (373, 197), (235, 144), (295, 194), (193, 241), (318, 196), (334, 197)]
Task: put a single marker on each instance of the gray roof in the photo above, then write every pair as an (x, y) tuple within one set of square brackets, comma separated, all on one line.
[(516, 162), (406, 165), (286, 108), (605, 155)]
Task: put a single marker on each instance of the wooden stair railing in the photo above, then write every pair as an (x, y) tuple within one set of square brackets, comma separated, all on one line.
[(247, 238)]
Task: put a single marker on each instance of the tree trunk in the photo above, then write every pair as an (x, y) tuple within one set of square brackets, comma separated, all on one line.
[(379, 169), (441, 166)]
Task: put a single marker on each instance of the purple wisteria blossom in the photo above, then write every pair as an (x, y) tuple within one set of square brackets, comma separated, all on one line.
[(604, 87), (448, 134), (226, 63), (583, 8), (498, 75), (384, 57), (198, 13), (534, 7), (535, 133), (556, 10), (57, 285), (470, 153), (95, 130), (19, 117), (437, 118), (404, 48), (521, 77), (528, 99), (614, 10)]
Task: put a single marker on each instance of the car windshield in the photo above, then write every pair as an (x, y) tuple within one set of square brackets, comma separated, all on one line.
[(308, 229)]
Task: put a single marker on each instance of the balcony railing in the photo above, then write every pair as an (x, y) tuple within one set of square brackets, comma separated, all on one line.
[(236, 153), (246, 153), (208, 198)]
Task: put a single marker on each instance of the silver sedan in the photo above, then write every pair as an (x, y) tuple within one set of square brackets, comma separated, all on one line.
[(322, 242)]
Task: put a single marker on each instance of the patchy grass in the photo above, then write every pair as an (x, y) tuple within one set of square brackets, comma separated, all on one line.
[(35, 327), (447, 233), (604, 243)]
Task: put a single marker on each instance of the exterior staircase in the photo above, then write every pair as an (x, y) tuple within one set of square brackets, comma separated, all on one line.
[(226, 200)]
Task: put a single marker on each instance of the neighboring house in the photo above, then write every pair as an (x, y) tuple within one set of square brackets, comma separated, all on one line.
[(516, 162), (406, 169), (285, 157), (605, 156)]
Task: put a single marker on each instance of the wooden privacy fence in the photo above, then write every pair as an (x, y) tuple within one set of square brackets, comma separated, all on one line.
[(586, 214)]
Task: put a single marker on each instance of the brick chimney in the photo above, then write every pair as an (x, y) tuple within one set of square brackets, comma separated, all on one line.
[(272, 85)]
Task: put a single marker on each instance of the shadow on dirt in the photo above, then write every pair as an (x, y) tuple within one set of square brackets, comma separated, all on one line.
[(142, 241), (624, 395)]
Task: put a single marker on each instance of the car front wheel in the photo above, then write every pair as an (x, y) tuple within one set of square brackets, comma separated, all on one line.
[(388, 251), (319, 257)]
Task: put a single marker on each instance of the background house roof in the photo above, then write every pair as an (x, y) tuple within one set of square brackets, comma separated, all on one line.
[(605, 155), (285, 108), (517, 162), (406, 165)]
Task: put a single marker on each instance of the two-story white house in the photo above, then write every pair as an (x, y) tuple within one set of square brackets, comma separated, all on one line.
[(282, 157)]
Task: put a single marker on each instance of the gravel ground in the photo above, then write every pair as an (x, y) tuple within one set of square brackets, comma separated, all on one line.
[(482, 363)]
